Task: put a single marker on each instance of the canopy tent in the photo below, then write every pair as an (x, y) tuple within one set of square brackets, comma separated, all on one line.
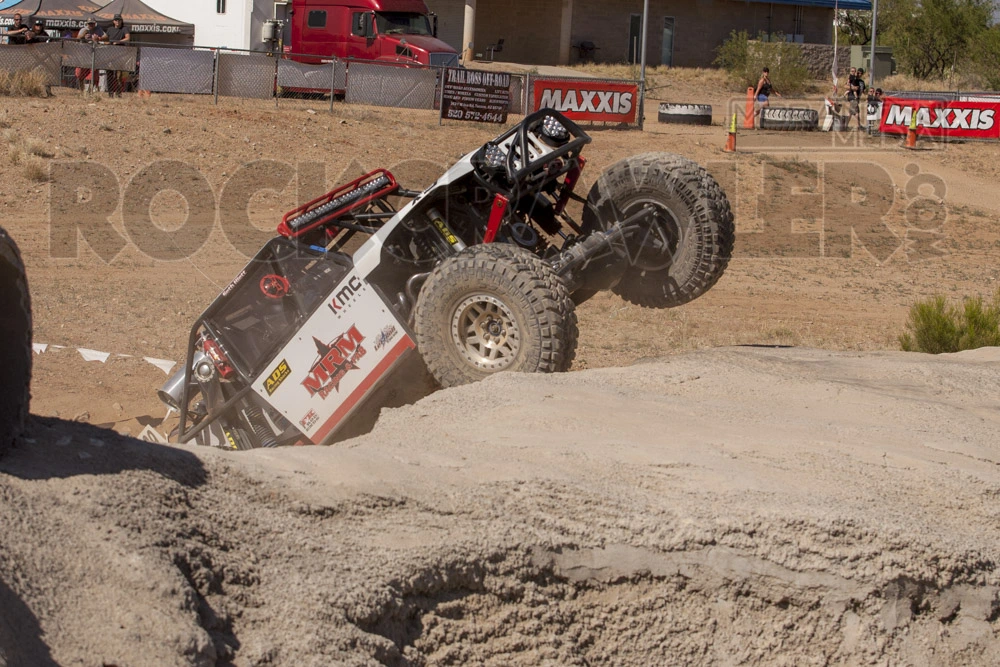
[(55, 13), (140, 18)]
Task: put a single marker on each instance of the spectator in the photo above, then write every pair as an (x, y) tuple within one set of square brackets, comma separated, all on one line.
[(763, 91), (37, 34), (92, 32), (118, 33), (17, 33), (89, 33), (853, 96)]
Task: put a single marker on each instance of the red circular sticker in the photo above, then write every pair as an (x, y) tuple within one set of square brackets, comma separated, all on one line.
[(274, 286)]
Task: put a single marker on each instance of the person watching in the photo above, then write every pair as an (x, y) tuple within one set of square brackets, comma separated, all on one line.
[(17, 33), (118, 33), (92, 32), (37, 34)]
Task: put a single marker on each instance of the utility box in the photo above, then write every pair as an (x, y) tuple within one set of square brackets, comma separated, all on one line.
[(885, 64)]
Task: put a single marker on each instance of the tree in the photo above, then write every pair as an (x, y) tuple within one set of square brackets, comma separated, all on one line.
[(986, 56), (855, 26), (931, 36)]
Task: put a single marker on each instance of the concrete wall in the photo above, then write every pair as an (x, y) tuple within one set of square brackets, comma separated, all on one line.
[(530, 28), (451, 20), (819, 59), (700, 26)]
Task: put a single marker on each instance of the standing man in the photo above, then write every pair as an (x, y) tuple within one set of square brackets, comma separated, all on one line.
[(93, 34), (117, 34), (16, 34), (763, 92)]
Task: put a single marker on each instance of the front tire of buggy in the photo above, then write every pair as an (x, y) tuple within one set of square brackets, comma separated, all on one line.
[(15, 342), (686, 248), (494, 308)]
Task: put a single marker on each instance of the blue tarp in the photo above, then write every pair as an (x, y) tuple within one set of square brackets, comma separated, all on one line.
[(830, 4)]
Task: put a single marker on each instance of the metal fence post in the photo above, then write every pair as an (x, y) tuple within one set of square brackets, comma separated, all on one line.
[(93, 66), (333, 81), (526, 93), (215, 77), (441, 73), (276, 81)]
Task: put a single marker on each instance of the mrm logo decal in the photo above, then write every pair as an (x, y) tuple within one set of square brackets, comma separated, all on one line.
[(336, 359)]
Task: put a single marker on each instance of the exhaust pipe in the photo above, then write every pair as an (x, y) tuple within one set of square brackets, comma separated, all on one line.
[(172, 390)]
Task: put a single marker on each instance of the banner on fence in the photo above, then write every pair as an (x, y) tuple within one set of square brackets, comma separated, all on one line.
[(942, 118), (588, 100), (477, 96)]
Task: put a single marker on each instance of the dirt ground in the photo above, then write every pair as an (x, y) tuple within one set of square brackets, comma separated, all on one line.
[(833, 502)]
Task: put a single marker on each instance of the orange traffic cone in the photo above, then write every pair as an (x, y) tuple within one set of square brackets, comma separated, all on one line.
[(748, 118), (911, 134), (731, 141)]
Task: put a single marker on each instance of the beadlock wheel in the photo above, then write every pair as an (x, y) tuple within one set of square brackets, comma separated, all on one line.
[(494, 308), (486, 332)]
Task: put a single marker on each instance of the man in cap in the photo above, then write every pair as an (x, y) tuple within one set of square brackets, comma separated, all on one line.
[(37, 33), (92, 32), (89, 33), (117, 34)]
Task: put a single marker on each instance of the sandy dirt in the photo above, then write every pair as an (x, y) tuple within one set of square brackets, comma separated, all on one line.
[(682, 493)]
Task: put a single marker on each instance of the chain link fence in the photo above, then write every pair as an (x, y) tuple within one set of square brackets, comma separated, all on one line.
[(231, 73)]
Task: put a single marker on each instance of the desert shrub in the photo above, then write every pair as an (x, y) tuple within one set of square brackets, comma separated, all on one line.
[(35, 170), (935, 326), (23, 83), (744, 58)]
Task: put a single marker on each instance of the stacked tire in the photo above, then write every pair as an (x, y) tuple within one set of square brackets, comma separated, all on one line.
[(789, 119), (15, 342), (685, 114)]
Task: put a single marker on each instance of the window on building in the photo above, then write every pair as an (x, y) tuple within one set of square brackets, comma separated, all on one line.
[(220, 6), (316, 20)]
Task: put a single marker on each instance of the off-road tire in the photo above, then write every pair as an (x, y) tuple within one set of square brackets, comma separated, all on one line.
[(685, 114), (789, 119), (15, 342), (686, 249), (514, 286)]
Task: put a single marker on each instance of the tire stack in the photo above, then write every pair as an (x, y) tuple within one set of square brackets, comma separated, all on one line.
[(15, 342), (685, 114), (789, 119)]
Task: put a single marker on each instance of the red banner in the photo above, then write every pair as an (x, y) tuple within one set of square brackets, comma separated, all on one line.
[(938, 118), (582, 99)]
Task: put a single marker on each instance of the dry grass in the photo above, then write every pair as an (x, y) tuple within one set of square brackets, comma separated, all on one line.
[(907, 82), (36, 170), (28, 152), (24, 83), (657, 76)]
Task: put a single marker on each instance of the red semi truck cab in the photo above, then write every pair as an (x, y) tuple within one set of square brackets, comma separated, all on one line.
[(401, 31)]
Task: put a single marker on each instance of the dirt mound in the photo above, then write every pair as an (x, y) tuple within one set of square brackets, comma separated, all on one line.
[(742, 505)]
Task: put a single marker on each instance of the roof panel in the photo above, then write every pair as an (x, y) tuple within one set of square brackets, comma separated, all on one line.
[(830, 4)]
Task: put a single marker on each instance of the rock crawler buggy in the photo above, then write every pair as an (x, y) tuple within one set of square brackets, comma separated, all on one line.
[(480, 273)]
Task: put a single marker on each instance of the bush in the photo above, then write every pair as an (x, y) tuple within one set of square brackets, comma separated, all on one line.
[(744, 58), (935, 326), (24, 83)]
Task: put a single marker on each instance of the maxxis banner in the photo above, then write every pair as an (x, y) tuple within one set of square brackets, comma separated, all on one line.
[(941, 118), (587, 99)]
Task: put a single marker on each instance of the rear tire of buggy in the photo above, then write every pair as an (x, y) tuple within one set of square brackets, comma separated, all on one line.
[(15, 342), (686, 249), (494, 308)]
